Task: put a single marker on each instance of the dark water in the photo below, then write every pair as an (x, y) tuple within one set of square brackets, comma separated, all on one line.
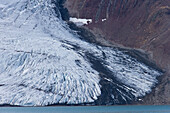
[(88, 109)]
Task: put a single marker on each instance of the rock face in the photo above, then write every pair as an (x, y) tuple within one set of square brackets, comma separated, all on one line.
[(141, 24)]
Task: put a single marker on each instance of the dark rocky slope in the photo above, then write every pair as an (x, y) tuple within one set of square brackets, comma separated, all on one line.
[(139, 24)]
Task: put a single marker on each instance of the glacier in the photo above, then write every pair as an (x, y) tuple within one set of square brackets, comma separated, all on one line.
[(44, 62)]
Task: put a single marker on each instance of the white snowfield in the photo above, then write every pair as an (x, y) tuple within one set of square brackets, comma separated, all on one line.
[(80, 21), (40, 66)]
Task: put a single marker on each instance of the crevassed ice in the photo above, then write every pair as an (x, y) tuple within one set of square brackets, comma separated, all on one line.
[(40, 65), (37, 69)]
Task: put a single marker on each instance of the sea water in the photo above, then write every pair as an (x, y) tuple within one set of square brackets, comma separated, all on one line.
[(88, 109)]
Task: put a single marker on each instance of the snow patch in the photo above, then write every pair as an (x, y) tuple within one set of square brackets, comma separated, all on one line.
[(80, 22), (104, 19)]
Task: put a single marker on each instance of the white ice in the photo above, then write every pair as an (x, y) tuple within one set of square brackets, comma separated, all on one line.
[(39, 65), (80, 21)]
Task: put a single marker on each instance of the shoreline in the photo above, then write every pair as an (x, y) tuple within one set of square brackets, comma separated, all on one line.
[(66, 105)]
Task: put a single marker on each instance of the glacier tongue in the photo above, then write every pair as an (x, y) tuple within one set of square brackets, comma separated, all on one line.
[(43, 62)]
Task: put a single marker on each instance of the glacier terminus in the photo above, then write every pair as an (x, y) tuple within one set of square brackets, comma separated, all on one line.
[(44, 62)]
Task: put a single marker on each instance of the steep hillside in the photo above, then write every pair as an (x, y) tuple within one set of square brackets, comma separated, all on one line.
[(140, 24)]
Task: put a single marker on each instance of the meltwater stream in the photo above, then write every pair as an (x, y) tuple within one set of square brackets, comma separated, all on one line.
[(44, 62)]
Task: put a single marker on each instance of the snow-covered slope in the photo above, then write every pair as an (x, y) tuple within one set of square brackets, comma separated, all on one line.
[(43, 62)]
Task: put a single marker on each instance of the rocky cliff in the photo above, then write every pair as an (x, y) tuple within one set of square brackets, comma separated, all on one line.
[(139, 24)]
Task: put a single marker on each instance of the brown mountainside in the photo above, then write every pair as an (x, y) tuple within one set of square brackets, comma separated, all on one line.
[(140, 24)]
